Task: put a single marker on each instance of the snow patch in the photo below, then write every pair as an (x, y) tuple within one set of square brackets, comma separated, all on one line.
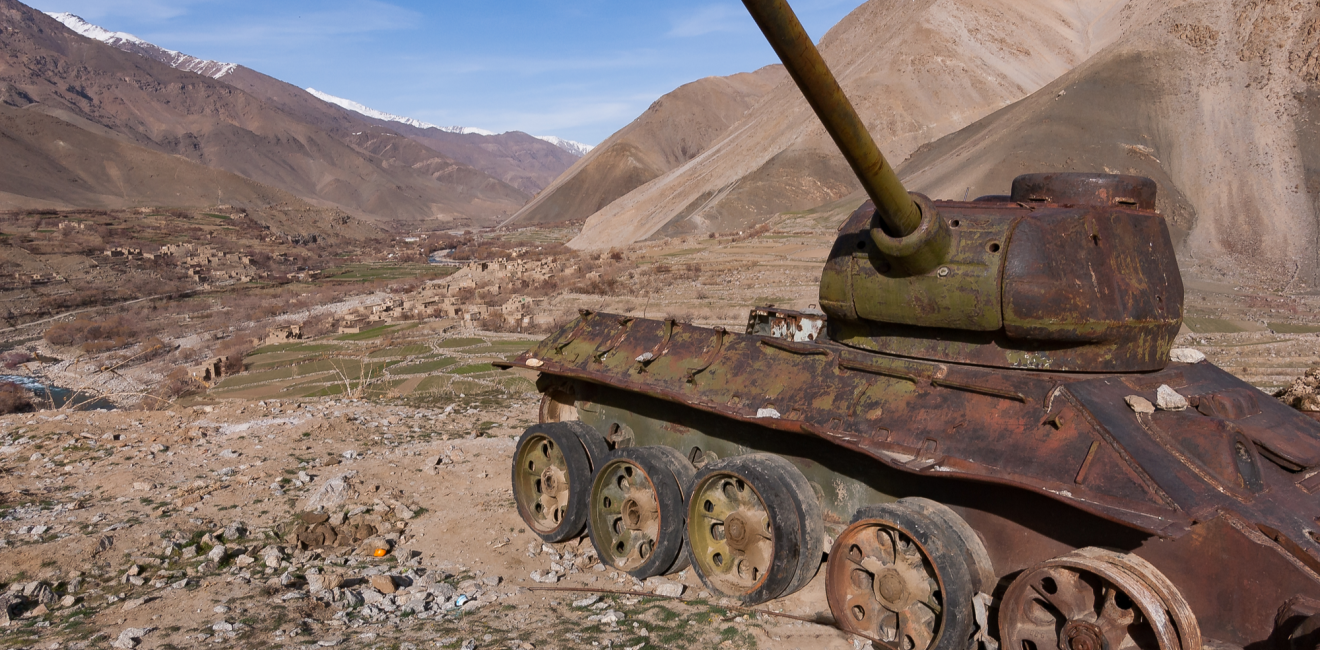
[(134, 45), (576, 148), (369, 112)]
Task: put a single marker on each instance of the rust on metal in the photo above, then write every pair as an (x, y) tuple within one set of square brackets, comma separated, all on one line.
[(1004, 360)]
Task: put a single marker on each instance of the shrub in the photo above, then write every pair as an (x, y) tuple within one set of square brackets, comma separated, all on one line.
[(15, 358), (94, 336), (14, 398)]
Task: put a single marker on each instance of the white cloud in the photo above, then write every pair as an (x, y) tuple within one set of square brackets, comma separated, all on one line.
[(711, 19)]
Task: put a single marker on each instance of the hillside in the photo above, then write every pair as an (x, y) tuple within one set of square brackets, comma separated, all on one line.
[(916, 71), (152, 105), (673, 130), (1193, 100)]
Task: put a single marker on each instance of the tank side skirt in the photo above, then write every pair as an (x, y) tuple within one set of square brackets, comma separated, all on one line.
[(910, 415)]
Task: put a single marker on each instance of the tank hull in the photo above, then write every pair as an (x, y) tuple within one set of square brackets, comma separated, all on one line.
[(1217, 496)]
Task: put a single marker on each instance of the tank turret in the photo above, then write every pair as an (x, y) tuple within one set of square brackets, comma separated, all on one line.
[(1071, 272)]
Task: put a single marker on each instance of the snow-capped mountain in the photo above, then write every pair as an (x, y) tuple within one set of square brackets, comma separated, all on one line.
[(217, 70), (130, 43), (576, 148), (371, 112)]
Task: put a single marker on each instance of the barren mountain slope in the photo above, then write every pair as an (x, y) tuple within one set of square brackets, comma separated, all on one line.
[(218, 125), (675, 129), (1216, 101), (523, 161), (520, 160), (50, 163), (915, 69)]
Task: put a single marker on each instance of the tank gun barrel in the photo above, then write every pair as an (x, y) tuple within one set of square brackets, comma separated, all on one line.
[(794, 47)]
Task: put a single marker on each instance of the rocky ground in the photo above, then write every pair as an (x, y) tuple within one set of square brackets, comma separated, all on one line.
[(319, 523)]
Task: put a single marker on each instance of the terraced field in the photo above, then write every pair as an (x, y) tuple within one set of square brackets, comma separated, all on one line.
[(409, 361)]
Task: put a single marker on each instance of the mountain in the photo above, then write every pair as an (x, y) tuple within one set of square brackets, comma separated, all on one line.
[(576, 148), (379, 115), (523, 161), (285, 139), (130, 43), (673, 130), (1219, 102), (916, 70)]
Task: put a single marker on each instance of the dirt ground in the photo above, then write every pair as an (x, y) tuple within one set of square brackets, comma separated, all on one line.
[(120, 515)]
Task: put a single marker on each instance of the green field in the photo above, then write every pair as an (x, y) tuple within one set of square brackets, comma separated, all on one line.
[(324, 368), (368, 272)]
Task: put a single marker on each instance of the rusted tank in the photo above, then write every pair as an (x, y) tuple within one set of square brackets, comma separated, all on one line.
[(984, 437)]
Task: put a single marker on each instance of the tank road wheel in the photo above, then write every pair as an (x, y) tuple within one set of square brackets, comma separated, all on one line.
[(982, 570), (551, 480), (637, 512), (743, 530), (1095, 600), (683, 472), (900, 575), (810, 518)]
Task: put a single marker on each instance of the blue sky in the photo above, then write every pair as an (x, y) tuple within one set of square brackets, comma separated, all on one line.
[(578, 69)]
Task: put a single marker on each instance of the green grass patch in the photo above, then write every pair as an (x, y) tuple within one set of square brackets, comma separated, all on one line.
[(472, 369), (770, 300), (503, 348), (368, 334), (369, 272), (460, 343), (419, 368), (295, 347), (222, 217), (1294, 328), (431, 384), (400, 351), (1211, 325)]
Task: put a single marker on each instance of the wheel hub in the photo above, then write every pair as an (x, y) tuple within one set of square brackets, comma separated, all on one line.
[(735, 530), (551, 479), (632, 514), (1082, 635), (897, 587)]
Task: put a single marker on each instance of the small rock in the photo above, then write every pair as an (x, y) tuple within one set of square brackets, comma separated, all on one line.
[(8, 603), (586, 602), (403, 512), (131, 637), (432, 465), (318, 582), (1186, 355), (217, 554), (1168, 399), (470, 644), (330, 641), (1139, 404), (229, 453), (68, 601), (141, 487), (669, 590), (383, 584)]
